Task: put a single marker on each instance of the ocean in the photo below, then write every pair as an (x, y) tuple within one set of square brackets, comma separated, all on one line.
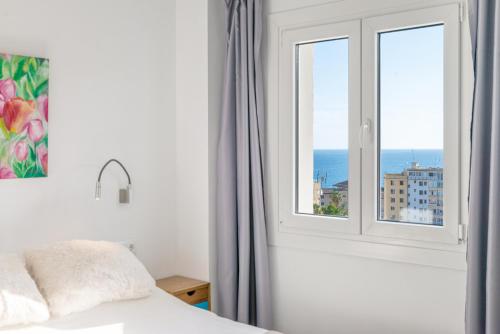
[(332, 165)]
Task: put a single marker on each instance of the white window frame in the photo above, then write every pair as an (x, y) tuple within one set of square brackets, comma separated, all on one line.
[(363, 190), (291, 220), (449, 16)]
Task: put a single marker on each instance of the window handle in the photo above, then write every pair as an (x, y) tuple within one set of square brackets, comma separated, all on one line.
[(363, 129)]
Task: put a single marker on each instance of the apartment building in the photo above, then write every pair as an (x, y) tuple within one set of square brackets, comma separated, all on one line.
[(395, 196), (415, 195), (425, 195)]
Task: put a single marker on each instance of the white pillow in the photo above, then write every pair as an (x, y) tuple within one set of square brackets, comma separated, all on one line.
[(77, 275), (20, 300)]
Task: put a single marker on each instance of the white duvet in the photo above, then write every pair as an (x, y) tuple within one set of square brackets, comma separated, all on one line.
[(160, 313)]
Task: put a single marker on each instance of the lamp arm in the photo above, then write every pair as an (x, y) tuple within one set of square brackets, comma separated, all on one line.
[(120, 164)]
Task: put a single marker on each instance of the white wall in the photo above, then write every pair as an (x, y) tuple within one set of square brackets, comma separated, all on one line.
[(326, 292), (317, 292), (200, 53), (192, 136), (112, 94)]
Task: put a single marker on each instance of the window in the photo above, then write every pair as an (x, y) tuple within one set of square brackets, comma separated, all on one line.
[(322, 125), (406, 103), (324, 96), (412, 97)]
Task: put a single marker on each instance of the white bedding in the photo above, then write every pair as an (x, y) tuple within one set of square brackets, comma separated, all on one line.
[(161, 313)]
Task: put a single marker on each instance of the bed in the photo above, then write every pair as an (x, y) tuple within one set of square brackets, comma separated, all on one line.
[(95, 287), (159, 313)]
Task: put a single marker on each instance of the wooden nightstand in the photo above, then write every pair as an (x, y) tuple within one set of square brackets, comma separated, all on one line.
[(192, 291)]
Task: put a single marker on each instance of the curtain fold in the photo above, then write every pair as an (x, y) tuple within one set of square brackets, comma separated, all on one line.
[(242, 282), (483, 253)]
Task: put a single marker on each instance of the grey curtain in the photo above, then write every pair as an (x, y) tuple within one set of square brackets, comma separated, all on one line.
[(242, 282), (483, 254)]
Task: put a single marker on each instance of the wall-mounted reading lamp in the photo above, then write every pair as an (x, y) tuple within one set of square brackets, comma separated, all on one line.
[(124, 193)]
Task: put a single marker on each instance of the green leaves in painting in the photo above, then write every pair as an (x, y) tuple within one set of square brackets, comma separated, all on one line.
[(29, 73), (29, 167), (24, 84)]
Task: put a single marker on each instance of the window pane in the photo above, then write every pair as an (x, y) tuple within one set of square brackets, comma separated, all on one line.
[(322, 128), (410, 158)]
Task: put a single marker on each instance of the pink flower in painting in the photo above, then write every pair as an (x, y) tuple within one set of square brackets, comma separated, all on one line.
[(36, 130), (43, 106), (43, 156), (16, 114), (21, 150), (6, 173), (7, 92)]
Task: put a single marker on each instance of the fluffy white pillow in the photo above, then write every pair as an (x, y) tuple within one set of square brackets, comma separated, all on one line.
[(20, 300), (77, 275)]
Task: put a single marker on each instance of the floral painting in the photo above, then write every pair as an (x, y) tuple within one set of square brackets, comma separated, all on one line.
[(24, 116)]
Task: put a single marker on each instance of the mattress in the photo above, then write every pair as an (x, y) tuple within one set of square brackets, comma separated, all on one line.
[(159, 313)]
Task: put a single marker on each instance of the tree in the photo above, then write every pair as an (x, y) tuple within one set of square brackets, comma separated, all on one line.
[(329, 210)]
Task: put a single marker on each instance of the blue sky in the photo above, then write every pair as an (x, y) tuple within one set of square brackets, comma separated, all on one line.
[(411, 74)]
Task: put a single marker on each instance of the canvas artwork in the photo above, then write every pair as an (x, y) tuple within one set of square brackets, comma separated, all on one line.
[(24, 116)]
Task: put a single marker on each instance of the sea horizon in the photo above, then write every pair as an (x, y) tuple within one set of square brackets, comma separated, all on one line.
[(332, 164)]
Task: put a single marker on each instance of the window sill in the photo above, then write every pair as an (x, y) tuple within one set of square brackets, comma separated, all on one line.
[(397, 250)]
